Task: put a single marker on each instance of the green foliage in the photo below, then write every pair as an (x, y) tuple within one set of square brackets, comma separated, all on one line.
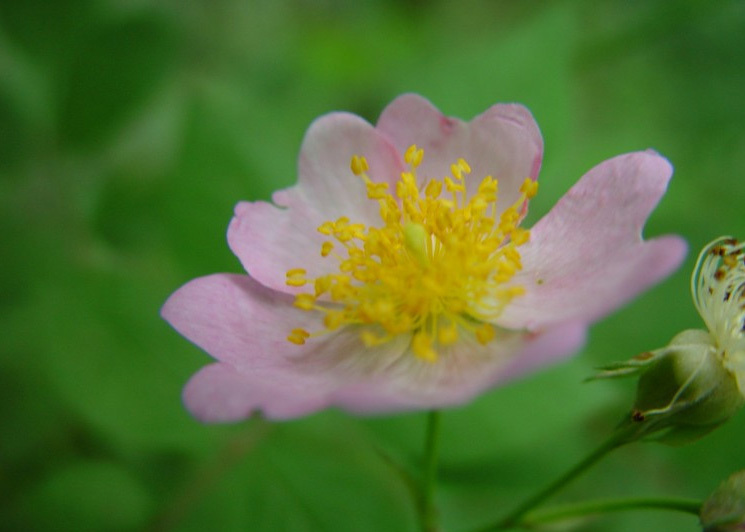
[(128, 130)]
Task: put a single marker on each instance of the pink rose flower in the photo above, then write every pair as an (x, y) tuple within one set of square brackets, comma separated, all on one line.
[(395, 275)]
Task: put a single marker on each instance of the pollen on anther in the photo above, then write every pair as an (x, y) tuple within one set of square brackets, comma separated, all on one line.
[(413, 155), (529, 188), (305, 301), (298, 336), (296, 277), (520, 236), (447, 335), (485, 333), (358, 165), (421, 345), (464, 166)]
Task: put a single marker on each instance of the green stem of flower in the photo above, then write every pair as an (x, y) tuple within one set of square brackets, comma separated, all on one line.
[(571, 511), (622, 435), (427, 511)]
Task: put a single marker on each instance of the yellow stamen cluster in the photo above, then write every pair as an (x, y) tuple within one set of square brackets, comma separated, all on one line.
[(435, 268)]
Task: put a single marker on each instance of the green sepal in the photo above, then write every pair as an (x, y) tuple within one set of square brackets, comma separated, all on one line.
[(684, 390), (629, 368)]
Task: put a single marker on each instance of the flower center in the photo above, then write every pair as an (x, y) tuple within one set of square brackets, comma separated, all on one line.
[(437, 265)]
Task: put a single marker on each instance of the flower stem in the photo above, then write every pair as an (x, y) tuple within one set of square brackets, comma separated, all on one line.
[(570, 511), (622, 435), (427, 511)]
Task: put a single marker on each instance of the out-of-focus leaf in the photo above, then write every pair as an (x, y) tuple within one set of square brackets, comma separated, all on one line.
[(47, 29), (105, 349), (112, 74), (310, 476), (88, 495)]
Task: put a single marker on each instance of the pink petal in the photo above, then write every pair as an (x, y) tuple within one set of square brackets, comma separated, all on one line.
[(504, 141), (462, 372), (244, 325), (326, 182), (269, 240), (219, 393), (586, 257), (236, 320), (543, 349)]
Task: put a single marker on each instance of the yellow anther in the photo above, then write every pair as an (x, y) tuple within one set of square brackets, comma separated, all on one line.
[(485, 333), (341, 289), (452, 186), (464, 166), (371, 339), (459, 168), (508, 220), (447, 335), (505, 270), (456, 171), (421, 345), (377, 190), (514, 291), (298, 336), (488, 189), (326, 228), (519, 236), (341, 223), (359, 165), (513, 255), (296, 277), (433, 189), (529, 188), (326, 248), (305, 301), (333, 319), (409, 184), (358, 231), (418, 156), (409, 153), (413, 156), (322, 285)]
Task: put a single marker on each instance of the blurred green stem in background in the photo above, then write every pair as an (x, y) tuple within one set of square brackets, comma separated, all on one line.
[(588, 508), (427, 510), (624, 434)]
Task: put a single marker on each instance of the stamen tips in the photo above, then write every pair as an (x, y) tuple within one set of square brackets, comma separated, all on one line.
[(413, 155), (485, 333), (359, 165), (421, 344), (529, 188), (298, 336), (296, 277)]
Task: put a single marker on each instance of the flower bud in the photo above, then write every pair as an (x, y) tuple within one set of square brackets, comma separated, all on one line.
[(685, 391), (724, 510), (697, 382)]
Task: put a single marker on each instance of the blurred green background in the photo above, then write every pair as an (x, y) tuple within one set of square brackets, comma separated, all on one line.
[(129, 129)]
